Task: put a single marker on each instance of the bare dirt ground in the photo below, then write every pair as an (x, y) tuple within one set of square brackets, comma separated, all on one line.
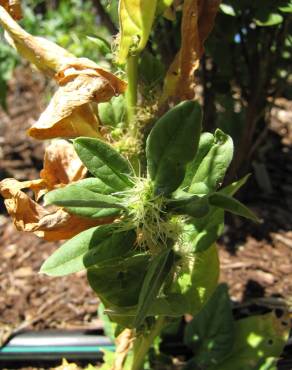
[(256, 260)]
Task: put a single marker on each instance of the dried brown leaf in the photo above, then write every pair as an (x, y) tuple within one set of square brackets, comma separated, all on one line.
[(124, 344), (44, 54), (197, 22), (51, 224), (13, 7), (61, 165)]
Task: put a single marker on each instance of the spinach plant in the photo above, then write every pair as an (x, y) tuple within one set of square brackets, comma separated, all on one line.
[(138, 193)]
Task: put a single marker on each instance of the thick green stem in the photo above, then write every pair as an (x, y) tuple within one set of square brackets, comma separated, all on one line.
[(143, 344), (132, 90)]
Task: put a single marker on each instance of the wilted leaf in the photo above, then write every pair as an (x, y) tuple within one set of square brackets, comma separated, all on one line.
[(81, 81), (50, 224), (69, 113), (44, 54), (61, 165), (13, 7), (197, 22), (124, 344), (136, 19)]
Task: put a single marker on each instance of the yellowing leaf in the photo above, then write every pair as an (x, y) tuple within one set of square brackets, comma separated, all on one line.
[(13, 7), (124, 344), (197, 22), (136, 19)]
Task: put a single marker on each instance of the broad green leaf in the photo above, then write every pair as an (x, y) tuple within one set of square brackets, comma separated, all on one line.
[(151, 71), (113, 112), (232, 205), (190, 205), (104, 162), (193, 283), (91, 247), (136, 18), (119, 284), (157, 272), (206, 230), (257, 339), (205, 144), (210, 334), (209, 175), (81, 201), (172, 144)]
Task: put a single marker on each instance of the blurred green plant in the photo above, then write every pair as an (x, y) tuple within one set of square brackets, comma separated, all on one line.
[(246, 67)]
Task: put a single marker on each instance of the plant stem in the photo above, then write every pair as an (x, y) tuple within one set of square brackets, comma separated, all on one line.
[(143, 344), (132, 90)]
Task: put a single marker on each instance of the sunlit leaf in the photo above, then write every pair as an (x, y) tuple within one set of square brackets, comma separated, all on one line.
[(136, 19)]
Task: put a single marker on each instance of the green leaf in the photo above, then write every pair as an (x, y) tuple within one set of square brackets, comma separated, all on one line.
[(206, 230), (113, 112), (286, 8), (205, 144), (103, 46), (232, 205), (268, 19), (136, 18), (209, 175), (191, 205), (210, 334), (157, 272), (104, 162), (81, 201), (193, 283), (227, 9), (121, 283), (257, 339), (173, 143), (151, 70), (94, 246)]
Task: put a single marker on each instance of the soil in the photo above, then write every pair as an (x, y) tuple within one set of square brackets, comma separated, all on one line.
[(256, 259)]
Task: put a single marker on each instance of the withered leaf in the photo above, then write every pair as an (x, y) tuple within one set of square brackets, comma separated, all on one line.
[(197, 22), (13, 7), (50, 224), (124, 344), (61, 165)]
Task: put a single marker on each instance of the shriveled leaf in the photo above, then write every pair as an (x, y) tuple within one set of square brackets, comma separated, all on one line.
[(91, 247), (44, 54), (13, 7), (104, 162), (61, 165), (210, 334), (172, 144), (124, 343), (209, 175), (257, 339), (69, 113), (50, 224), (157, 272), (232, 205), (136, 18), (197, 22)]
